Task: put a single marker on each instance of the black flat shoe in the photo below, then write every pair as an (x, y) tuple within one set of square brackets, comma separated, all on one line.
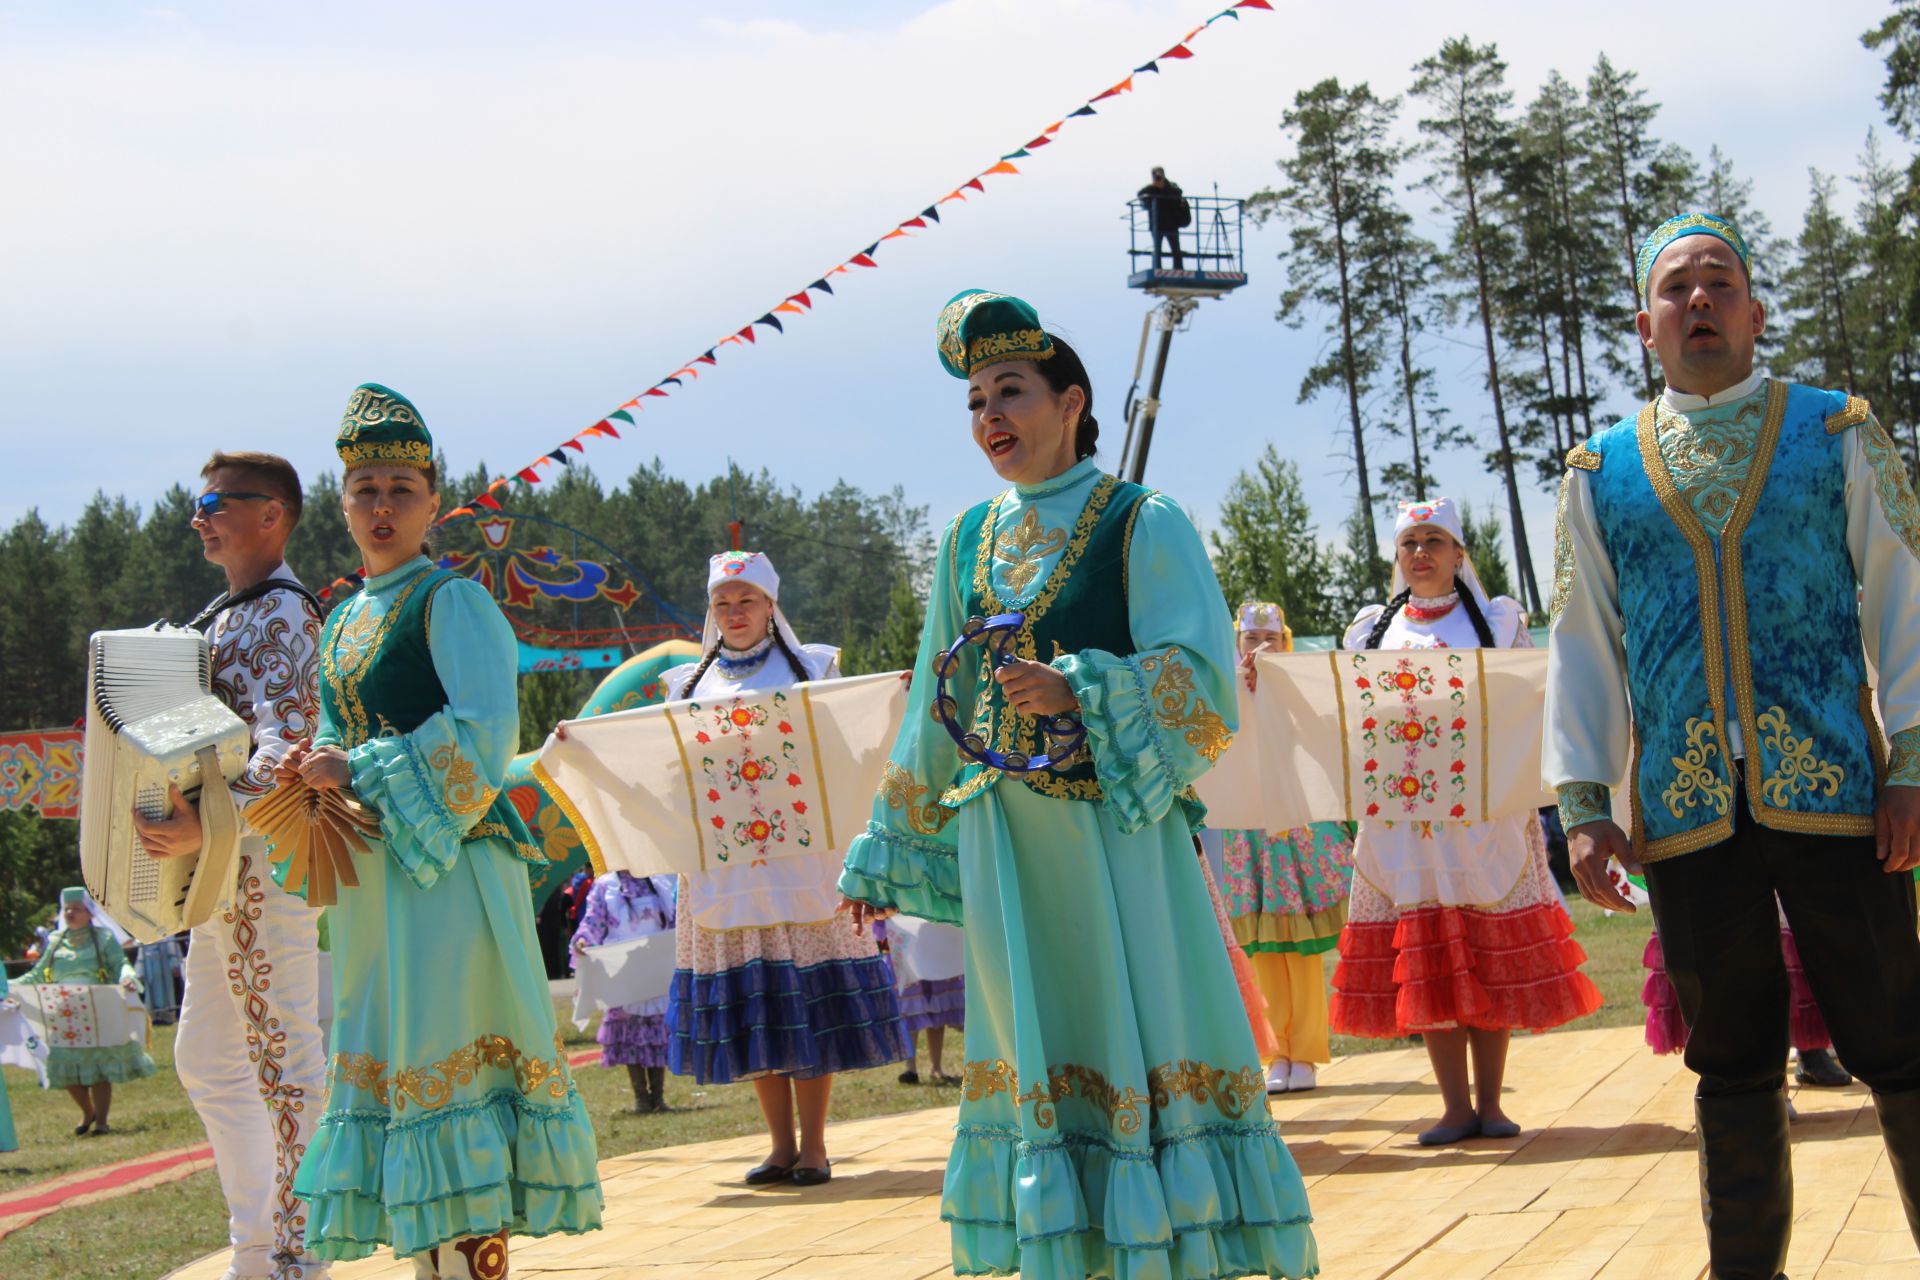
[(909, 1077), (80, 1130), (762, 1175), (813, 1177), (1819, 1068)]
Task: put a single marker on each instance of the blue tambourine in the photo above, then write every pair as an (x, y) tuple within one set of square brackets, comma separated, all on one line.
[(1064, 735)]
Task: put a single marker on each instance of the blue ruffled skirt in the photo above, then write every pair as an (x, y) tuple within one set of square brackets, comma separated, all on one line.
[(800, 1000)]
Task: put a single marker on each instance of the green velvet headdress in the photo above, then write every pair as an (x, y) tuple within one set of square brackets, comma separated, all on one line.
[(1689, 224), (977, 329), (382, 428)]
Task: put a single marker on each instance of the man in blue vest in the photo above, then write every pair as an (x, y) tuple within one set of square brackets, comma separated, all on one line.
[(1734, 565)]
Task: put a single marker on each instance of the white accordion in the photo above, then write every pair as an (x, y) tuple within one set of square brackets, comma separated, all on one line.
[(152, 722)]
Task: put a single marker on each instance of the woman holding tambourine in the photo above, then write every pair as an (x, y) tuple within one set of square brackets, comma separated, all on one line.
[(1074, 677)]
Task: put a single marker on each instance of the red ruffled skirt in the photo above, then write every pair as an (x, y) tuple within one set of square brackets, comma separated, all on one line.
[(1513, 967)]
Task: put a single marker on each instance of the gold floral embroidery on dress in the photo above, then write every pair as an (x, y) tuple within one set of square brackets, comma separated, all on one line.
[(1205, 731), (1799, 768), (900, 789), (1903, 766), (344, 677), (1232, 1092), (1698, 781), (463, 791), (432, 1087), (1025, 547), (1890, 482), (1708, 458), (1583, 458), (1562, 554)]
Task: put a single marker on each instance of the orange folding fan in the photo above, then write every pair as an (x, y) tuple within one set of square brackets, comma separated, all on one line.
[(315, 833)]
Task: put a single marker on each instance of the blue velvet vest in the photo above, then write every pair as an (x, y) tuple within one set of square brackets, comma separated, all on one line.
[(1755, 621)]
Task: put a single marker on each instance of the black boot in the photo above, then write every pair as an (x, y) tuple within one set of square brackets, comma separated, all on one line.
[(1746, 1184), (1900, 1130), (657, 1088), (637, 1077), (1818, 1067)]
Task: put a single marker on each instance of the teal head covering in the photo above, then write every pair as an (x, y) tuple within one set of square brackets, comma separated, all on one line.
[(382, 428), (73, 894), (1689, 224), (977, 329)]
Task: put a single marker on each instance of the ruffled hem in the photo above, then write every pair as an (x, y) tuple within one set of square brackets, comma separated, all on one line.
[(1667, 1028), (1206, 1203), (112, 1064), (417, 831), (465, 1170), (914, 876), (772, 1018), (1138, 781), (1308, 934), (633, 1041), (933, 1004), (1438, 968)]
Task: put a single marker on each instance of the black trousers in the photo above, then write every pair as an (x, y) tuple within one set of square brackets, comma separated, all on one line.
[(1170, 233), (1854, 926)]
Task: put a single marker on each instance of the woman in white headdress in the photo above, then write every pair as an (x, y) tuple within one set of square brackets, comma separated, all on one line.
[(89, 950), (1454, 930), (787, 993)]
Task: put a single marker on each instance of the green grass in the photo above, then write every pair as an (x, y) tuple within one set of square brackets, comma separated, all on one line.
[(142, 1237)]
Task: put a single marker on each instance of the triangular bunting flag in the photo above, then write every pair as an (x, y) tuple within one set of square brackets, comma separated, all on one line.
[(803, 298), (1123, 87), (488, 500), (773, 320), (1002, 167), (931, 211), (862, 260), (654, 391), (1084, 111), (669, 382), (1191, 34), (790, 309), (574, 444), (1053, 128), (1178, 51), (1254, 4), (895, 234), (870, 248), (529, 475), (747, 332), (706, 358), (1148, 66), (623, 415), (1040, 141), (822, 285), (975, 183), (1014, 155), (560, 456), (919, 223), (954, 194)]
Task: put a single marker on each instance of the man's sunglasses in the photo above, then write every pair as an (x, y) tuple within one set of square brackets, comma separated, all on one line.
[(212, 504)]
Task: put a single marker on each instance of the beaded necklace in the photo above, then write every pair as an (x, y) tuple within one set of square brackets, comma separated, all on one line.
[(736, 664), (1422, 609)]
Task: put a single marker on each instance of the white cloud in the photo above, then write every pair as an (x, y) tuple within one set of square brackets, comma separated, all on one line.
[(521, 216)]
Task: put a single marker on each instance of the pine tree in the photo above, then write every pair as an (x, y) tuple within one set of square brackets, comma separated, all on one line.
[(1338, 176), (1483, 548), (1403, 268), (1470, 142), (1888, 254), (1361, 576), (1818, 293), (896, 642), (1265, 547)]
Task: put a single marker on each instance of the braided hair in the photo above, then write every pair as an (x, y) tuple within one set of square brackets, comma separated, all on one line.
[(713, 654), (1468, 602)]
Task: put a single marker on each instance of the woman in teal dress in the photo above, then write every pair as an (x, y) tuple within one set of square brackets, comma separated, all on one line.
[(9, 1140), (87, 953), (451, 1116), (1113, 1118)]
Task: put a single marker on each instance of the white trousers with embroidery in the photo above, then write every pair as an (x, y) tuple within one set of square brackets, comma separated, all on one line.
[(250, 1055)]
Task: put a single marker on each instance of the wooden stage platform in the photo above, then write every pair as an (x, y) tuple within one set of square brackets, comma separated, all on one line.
[(1601, 1186)]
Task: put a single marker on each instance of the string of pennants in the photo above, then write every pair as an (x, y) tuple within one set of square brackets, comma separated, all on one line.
[(802, 302)]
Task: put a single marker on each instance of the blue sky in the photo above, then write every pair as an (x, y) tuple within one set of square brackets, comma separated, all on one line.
[(222, 217)]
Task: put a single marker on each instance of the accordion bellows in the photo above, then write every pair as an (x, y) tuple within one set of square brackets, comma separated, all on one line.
[(152, 722)]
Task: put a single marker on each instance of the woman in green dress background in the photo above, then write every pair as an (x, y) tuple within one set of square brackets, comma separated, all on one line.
[(451, 1116), (87, 952), (1113, 1118)]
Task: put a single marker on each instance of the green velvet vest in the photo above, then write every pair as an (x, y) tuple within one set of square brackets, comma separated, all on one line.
[(1083, 605), (378, 681)]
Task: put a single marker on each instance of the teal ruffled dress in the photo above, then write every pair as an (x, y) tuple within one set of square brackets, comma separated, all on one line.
[(450, 1108), (88, 957), (1113, 1115), (9, 1140)]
